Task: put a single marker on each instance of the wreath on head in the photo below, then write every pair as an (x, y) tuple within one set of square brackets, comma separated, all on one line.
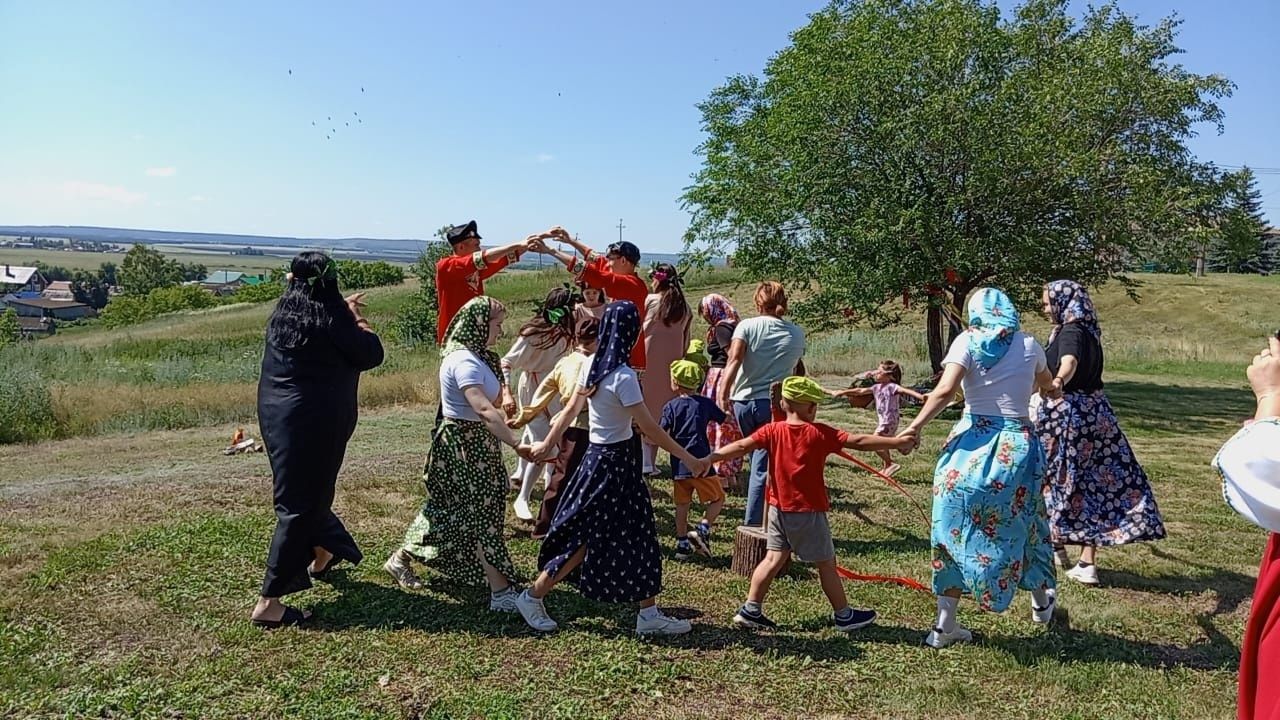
[(330, 272)]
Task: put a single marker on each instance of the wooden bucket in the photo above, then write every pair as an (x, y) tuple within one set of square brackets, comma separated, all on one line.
[(749, 549)]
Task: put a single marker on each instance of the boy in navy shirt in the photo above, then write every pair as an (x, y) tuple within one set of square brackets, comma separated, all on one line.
[(685, 418)]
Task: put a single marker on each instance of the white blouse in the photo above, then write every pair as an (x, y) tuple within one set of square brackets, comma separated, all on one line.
[(533, 360), (1250, 467)]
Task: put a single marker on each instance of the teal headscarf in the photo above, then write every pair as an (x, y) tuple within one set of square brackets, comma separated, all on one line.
[(992, 322)]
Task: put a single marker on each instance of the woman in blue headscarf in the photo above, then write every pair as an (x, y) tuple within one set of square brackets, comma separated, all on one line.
[(990, 532), (603, 537), (1098, 494)]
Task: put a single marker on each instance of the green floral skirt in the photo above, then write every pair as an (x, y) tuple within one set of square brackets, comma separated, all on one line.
[(466, 504)]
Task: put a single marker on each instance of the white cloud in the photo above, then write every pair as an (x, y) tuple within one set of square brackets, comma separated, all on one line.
[(81, 190), (197, 198), (162, 172), (138, 137), (544, 157)]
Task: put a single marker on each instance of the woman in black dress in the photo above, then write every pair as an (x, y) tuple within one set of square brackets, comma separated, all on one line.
[(317, 346), (1098, 494)]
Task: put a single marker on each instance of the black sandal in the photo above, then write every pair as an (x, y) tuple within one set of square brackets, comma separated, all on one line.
[(322, 572), (292, 616)]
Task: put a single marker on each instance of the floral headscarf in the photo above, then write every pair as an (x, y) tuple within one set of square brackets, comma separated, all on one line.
[(717, 309), (619, 329), (992, 322), (469, 330), (1069, 303)]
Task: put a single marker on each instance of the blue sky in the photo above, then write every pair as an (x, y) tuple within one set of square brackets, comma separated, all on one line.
[(183, 116)]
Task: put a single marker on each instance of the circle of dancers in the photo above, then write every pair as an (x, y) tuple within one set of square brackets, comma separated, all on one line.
[(608, 370)]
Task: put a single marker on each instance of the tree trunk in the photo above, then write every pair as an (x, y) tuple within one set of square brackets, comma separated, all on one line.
[(943, 328), (933, 325)]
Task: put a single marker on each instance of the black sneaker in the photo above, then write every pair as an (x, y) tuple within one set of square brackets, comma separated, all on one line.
[(856, 620), (753, 619), (684, 550)]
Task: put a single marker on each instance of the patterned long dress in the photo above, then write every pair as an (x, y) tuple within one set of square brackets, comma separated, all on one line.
[(990, 529)]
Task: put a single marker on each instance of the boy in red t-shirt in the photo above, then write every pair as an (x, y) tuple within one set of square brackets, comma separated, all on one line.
[(614, 272), (797, 493), (460, 276)]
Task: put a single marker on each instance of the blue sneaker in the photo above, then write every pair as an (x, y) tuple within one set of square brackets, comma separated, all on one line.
[(684, 550), (701, 539), (854, 619)]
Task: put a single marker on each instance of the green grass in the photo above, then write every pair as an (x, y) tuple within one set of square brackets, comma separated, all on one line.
[(76, 260), (129, 561)]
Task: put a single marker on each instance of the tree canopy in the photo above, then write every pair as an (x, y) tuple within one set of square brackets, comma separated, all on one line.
[(901, 153)]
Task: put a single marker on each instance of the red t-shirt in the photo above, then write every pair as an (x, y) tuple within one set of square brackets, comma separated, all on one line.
[(459, 278), (619, 287), (797, 454)]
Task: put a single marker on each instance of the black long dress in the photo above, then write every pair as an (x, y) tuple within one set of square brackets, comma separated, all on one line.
[(307, 411)]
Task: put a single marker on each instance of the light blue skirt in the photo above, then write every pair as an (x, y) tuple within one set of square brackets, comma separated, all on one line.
[(990, 532)]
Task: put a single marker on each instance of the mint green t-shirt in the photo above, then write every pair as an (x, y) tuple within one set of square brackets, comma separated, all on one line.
[(774, 346)]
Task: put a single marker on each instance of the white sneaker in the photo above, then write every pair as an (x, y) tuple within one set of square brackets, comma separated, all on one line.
[(506, 602), (1045, 614), (522, 509), (534, 612), (661, 625), (937, 639), (891, 470), (1084, 575), (398, 566)]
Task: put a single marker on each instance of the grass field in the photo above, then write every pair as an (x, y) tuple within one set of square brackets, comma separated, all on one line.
[(129, 559), (92, 260)]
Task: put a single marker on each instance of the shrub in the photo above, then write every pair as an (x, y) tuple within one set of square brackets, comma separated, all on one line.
[(262, 292), (130, 310), (416, 322), (9, 329), (353, 274), (25, 405)]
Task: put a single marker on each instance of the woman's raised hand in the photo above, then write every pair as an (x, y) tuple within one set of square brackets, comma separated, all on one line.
[(354, 303), (1264, 373)]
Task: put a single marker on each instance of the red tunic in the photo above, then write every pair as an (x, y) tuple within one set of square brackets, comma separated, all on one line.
[(1260, 654), (459, 278), (597, 274)]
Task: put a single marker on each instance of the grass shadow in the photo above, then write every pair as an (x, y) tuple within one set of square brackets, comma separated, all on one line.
[(1176, 410)]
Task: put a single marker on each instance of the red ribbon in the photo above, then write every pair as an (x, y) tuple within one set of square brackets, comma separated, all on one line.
[(895, 579)]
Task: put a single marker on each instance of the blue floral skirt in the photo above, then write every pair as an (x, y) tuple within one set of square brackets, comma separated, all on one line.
[(990, 531), (1097, 493), (605, 506)]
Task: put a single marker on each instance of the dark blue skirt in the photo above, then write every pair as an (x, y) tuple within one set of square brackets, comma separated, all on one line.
[(605, 506)]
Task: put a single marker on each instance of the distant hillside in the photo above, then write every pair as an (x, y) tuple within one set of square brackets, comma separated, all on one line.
[(399, 250)]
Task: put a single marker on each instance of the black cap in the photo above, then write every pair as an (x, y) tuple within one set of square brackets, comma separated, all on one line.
[(458, 233), (625, 249)]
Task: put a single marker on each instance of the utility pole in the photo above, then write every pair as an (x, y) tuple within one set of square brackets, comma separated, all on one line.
[(620, 226)]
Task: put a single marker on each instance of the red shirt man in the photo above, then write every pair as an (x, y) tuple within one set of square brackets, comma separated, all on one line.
[(460, 276), (614, 272)]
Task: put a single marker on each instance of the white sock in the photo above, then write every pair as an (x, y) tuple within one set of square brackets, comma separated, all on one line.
[(947, 613), (1042, 598), (649, 613)]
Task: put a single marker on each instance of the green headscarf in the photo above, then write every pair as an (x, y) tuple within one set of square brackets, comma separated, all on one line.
[(469, 330)]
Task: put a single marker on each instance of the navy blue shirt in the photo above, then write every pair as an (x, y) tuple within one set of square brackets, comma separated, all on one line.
[(685, 419)]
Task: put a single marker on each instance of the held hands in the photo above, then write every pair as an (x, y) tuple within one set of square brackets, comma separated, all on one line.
[(1054, 392), (527, 453), (911, 439), (508, 403), (541, 452), (699, 466)]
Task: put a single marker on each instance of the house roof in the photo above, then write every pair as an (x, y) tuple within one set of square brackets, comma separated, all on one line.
[(57, 286), (16, 275), (223, 277), (45, 303)]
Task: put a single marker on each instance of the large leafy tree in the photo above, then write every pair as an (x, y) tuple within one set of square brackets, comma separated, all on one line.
[(901, 153)]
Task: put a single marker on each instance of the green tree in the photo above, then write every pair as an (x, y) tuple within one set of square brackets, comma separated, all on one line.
[(9, 329), (1240, 246), (901, 153), (415, 324), (144, 270), (107, 273), (89, 288)]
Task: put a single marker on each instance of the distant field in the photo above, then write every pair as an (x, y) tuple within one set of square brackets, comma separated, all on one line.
[(92, 260)]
